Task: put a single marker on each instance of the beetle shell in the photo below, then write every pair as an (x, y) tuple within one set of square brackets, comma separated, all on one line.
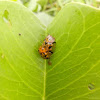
[(46, 50)]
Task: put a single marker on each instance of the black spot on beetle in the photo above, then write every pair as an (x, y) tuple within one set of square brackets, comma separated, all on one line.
[(50, 47), (45, 43), (45, 55), (54, 42)]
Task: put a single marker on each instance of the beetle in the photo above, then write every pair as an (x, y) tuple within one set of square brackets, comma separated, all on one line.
[(46, 50)]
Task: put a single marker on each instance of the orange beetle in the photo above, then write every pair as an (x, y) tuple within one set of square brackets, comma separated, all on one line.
[(46, 49)]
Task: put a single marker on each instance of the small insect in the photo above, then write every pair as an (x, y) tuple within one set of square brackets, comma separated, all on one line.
[(46, 50)]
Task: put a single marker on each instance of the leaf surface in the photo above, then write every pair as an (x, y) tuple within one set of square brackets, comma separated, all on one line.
[(74, 73), (21, 67), (75, 70)]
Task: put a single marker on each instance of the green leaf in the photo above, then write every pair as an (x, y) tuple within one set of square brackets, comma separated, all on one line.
[(21, 67), (75, 70), (74, 73)]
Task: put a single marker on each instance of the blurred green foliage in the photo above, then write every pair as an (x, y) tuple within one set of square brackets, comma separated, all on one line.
[(52, 7)]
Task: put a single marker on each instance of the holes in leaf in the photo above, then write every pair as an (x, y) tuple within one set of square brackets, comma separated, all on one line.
[(6, 17), (91, 86)]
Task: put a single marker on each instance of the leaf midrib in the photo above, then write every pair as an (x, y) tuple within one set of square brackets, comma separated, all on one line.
[(44, 89)]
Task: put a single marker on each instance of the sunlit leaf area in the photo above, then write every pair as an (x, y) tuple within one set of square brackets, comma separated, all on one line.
[(49, 49)]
